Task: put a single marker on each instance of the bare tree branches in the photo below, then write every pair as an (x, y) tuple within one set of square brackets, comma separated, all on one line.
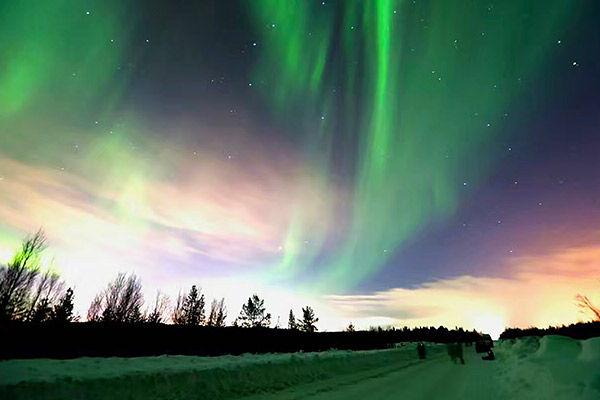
[(586, 304), (121, 301), (18, 278), (218, 313), (48, 289), (161, 306), (177, 316), (94, 313)]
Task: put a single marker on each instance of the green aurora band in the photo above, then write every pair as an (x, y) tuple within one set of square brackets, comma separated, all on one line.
[(422, 85), (66, 65), (401, 93)]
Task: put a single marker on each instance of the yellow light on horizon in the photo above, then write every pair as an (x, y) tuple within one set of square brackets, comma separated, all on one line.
[(490, 324)]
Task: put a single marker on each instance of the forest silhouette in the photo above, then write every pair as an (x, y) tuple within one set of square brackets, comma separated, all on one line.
[(37, 320)]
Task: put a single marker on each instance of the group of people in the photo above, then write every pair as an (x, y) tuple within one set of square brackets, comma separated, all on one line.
[(455, 351)]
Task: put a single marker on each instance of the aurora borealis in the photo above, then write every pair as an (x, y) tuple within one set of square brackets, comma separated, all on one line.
[(381, 159)]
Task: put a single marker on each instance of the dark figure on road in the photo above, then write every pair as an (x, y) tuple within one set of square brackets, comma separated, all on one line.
[(490, 356), (421, 351), (455, 351)]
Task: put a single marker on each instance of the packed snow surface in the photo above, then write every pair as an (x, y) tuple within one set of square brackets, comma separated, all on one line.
[(552, 367)]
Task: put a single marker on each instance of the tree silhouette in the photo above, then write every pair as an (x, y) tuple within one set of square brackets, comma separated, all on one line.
[(18, 277), (177, 315), (307, 324), (63, 311), (189, 310), (161, 306), (292, 324), (253, 313), (46, 292), (350, 328), (42, 312), (121, 301), (218, 313), (586, 304)]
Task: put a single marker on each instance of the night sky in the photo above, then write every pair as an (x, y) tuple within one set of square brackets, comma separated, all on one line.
[(388, 162)]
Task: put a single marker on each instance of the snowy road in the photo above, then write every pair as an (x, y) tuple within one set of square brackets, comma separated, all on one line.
[(430, 379), (552, 367)]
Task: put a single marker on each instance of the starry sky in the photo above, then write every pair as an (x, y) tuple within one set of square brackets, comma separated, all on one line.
[(389, 162)]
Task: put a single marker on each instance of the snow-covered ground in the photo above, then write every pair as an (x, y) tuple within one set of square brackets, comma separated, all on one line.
[(553, 367)]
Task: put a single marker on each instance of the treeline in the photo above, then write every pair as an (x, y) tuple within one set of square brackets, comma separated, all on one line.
[(30, 295), (97, 339), (580, 330), (37, 320)]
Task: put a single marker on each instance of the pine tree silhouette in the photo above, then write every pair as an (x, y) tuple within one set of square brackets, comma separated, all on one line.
[(253, 314), (307, 324)]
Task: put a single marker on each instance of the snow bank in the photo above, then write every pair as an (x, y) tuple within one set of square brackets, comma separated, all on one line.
[(186, 377), (553, 367), (590, 350), (554, 347), (513, 350)]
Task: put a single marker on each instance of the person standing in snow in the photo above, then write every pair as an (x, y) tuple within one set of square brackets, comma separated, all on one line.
[(455, 351), (421, 350)]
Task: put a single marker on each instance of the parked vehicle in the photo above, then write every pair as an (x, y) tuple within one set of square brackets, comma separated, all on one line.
[(485, 344)]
